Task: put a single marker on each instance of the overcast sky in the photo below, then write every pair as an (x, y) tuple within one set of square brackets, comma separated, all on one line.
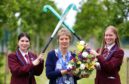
[(62, 5)]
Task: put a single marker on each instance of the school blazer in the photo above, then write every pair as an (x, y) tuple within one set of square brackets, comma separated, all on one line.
[(23, 73), (109, 71)]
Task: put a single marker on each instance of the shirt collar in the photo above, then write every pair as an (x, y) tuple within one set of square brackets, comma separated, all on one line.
[(110, 46), (23, 53)]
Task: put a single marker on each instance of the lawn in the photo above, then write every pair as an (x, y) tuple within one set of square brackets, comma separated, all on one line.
[(43, 80)]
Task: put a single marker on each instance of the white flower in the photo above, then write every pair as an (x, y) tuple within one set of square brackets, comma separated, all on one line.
[(97, 64), (82, 42), (69, 66), (82, 66), (84, 54)]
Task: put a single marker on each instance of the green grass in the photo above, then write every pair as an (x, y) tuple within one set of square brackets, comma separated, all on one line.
[(123, 72), (42, 79)]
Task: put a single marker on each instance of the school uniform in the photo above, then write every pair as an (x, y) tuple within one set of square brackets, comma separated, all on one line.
[(22, 71), (108, 71)]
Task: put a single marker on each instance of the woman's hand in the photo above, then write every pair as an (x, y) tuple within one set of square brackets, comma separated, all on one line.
[(63, 72)]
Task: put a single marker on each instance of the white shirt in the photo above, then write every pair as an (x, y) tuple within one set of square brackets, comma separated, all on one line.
[(109, 46), (23, 54)]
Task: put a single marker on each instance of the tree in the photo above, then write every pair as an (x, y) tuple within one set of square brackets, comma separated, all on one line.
[(97, 15), (33, 20), (24, 16)]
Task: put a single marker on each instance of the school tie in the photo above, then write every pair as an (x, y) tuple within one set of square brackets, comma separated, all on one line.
[(105, 52), (28, 60)]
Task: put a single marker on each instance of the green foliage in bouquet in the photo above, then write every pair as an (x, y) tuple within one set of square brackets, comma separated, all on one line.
[(83, 63)]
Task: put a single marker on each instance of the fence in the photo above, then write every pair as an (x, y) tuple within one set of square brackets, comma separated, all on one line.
[(127, 70)]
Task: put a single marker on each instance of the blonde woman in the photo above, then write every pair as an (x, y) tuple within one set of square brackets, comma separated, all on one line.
[(57, 60)]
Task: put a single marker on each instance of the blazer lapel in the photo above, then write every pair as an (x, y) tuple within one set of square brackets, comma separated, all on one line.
[(31, 56), (113, 49), (20, 57)]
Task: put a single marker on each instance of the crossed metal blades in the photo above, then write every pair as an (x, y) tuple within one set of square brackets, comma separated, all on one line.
[(61, 18)]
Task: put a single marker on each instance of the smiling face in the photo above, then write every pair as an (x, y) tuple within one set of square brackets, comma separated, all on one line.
[(110, 37), (64, 41), (24, 43), (64, 38)]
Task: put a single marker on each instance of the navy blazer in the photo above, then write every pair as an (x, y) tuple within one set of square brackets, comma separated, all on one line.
[(109, 72), (51, 74), (21, 71)]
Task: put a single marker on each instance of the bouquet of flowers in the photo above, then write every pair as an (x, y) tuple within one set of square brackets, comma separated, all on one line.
[(83, 63)]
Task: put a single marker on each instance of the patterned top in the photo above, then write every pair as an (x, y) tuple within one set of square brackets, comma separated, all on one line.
[(61, 64)]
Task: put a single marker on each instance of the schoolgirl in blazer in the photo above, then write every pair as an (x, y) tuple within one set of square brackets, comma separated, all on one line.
[(109, 64), (23, 69)]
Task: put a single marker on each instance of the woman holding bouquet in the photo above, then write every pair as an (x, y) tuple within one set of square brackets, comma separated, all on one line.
[(110, 58), (24, 64), (57, 60)]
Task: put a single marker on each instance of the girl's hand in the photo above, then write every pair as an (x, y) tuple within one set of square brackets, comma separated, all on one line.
[(40, 57), (93, 52), (36, 62)]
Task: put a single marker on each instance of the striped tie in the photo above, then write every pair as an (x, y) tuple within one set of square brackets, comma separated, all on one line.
[(28, 60), (105, 52)]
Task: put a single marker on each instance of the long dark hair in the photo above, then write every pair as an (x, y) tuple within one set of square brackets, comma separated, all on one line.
[(114, 30)]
